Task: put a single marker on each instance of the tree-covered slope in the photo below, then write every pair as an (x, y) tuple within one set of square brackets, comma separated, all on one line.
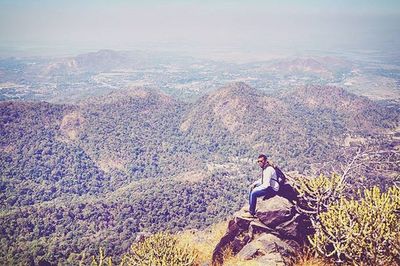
[(74, 177)]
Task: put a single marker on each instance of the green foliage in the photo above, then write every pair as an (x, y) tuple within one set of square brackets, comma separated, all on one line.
[(363, 232), (161, 249), (316, 194), (77, 225), (75, 176)]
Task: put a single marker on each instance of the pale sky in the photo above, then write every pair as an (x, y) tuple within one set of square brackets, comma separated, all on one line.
[(252, 24)]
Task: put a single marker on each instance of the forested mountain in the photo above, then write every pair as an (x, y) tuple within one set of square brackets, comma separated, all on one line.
[(96, 173), (36, 164), (298, 128)]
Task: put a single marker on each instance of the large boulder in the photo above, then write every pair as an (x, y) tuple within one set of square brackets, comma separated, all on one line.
[(279, 231), (264, 245), (274, 211)]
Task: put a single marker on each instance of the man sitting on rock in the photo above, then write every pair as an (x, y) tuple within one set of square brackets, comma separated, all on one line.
[(267, 186)]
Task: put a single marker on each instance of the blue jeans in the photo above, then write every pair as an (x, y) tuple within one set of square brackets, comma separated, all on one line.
[(256, 193)]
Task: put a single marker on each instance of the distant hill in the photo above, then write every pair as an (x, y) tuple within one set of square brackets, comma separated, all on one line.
[(357, 113), (102, 170), (299, 125), (327, 67), (100, 61)]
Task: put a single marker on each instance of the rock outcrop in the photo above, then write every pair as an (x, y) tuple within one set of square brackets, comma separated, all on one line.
[(278, 232)]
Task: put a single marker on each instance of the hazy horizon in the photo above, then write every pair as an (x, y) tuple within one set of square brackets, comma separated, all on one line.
[(68, 27)]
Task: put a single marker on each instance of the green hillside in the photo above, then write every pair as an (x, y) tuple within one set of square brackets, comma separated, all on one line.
[(76, 177)]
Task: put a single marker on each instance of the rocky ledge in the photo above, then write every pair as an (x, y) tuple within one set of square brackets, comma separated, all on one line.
[(278, 232)]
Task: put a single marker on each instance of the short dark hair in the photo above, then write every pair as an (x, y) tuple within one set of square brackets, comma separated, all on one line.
[(262, 156)]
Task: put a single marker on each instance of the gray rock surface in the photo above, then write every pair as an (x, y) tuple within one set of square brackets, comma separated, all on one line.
[(277, 232)]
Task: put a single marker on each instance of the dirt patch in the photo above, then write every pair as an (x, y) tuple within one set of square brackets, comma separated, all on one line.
[(7, 149), (191, 176), (72, 125), (108, 164), (352, 140)]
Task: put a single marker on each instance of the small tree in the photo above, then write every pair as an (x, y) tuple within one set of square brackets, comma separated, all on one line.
[(102, 260), (363, 232), (161, 249)]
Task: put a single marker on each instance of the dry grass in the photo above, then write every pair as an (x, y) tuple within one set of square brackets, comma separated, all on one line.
[(231, 260), (203, 242), (307, 258), (313, 262)]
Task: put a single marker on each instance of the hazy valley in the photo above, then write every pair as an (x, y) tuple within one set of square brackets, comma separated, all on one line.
[(70, 79)]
